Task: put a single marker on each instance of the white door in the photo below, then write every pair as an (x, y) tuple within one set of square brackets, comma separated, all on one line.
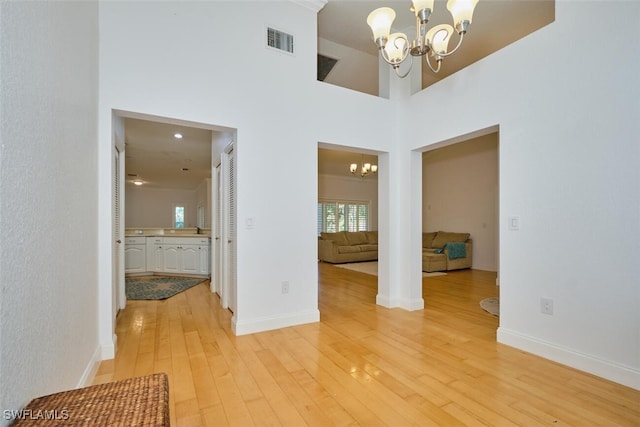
[(229, 291), (216, 275), (119, 295)]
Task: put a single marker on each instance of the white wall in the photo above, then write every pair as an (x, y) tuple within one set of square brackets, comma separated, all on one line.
[(355, 70), (48, 198), (280, 112), (333, 187), (154, 207), (460, 193), (569, 157), (568, 161)]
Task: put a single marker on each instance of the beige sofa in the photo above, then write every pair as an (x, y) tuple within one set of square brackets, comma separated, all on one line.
[(348, 246), (443, 251)]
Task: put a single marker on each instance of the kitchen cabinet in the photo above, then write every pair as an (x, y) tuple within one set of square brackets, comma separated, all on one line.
[(205, 258), (155, 254), (168, 254), (135, 255)]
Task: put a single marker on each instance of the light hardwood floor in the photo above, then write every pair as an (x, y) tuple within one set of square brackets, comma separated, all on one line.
[(361, 365)]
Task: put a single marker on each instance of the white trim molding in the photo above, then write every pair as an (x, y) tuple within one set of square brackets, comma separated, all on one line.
[(404, 303), (269, 323), (603, 368), (313, 5)]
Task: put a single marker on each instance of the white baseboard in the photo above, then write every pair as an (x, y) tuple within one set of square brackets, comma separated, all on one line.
[(108, 351), (620, 374), (268, 323), (92, 368), (407, 304)]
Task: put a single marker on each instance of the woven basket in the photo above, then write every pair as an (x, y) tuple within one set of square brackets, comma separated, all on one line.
[(142, 401)]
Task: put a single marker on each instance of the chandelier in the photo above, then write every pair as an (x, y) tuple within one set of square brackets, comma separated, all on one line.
[(394, 48), (363, 170)]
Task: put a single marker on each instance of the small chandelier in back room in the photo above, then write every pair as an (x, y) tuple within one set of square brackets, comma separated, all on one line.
[(364, 169), (394, 48)]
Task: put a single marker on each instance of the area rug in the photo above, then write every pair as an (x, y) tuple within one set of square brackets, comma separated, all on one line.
[(492, 305), (371, 267), (158, 287)]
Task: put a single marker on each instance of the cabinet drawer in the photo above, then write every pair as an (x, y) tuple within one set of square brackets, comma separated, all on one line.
[(135, 240), (186, 240)]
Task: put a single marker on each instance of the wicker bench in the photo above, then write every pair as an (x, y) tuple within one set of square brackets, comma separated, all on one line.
[(142, 401)]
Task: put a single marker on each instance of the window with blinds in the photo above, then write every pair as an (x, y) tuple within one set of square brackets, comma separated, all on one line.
[(336, 216)]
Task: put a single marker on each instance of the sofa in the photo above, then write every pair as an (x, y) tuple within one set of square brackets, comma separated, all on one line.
[(444, 251), (348, 246)]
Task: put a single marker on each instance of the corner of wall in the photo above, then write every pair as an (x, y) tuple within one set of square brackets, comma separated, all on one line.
[(92, 368)]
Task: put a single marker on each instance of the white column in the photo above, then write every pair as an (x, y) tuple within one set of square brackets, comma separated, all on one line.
[(400, 212)]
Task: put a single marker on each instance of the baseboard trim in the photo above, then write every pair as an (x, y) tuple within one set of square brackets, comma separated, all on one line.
[(620, 374), (269, 323), (406, 304), (109, 351), (92, 368)]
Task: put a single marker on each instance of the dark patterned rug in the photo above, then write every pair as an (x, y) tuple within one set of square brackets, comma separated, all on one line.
[(158, 287)]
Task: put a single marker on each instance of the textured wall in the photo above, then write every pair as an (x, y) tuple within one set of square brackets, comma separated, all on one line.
[(48, 202)]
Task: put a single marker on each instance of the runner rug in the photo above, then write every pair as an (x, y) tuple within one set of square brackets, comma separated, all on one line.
[(158, 287)]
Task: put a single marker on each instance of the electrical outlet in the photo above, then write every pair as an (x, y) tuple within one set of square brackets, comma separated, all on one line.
[(546, 306), (285, 287)]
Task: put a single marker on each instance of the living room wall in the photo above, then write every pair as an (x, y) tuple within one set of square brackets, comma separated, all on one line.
[(460, 193), (334, 187)]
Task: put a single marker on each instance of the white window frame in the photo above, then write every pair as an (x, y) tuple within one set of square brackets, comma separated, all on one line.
[(184, 215), (346, 225)]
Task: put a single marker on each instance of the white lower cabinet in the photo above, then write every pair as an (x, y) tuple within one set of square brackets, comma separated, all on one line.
[(205, 259), (155, 254), (135, 255), (178, 255)]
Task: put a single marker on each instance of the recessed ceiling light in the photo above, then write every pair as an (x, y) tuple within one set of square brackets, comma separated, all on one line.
[(177, 135)]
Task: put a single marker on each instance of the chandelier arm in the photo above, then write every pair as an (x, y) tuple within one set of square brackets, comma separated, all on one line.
[(435, 70), (402, 76), (444, 55)]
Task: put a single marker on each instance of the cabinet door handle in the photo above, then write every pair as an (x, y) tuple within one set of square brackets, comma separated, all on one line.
[(118, 241)]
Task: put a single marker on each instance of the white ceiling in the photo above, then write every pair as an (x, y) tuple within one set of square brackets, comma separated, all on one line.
[(155, 156)]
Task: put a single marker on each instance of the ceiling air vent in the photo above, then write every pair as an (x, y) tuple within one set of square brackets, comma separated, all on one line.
[(279, 40)]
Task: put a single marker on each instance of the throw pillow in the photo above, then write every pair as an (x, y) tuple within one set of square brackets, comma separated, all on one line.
[(356, 237), (340, 238), (427, 239)]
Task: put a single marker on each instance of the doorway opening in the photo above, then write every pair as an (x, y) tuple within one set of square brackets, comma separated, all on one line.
[(348, 205), (168, 184), (460, 194)]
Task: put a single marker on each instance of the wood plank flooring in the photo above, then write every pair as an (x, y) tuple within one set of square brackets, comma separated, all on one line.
[(361, 365)]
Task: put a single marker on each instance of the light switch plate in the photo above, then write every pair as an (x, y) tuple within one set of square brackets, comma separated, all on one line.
[(514, 223)]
